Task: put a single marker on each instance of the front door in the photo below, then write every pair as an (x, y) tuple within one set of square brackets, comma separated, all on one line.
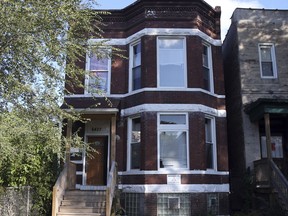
[(96, 166)]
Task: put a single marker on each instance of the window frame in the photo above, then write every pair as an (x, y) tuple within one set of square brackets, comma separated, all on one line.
[(273, 59), (183, 38), (214, 141), (88, 71), (131, 60), (210, 66), (172, 128), (129, 141)]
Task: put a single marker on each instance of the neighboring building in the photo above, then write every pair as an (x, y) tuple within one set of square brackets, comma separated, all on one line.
[(166, 124), (256, 77)]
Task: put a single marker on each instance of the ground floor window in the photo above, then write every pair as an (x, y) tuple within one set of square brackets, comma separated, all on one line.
[(173, 204), (210, 140), (173, 140), (134, 140)]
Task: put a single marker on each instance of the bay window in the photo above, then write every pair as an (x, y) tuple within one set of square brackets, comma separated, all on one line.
[(135, 66), (207, 67), (134, 140), (173, 141), (171, 62), (210, 141)]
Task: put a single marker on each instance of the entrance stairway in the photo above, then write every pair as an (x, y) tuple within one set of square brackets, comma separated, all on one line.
[(270, 179), (67, 201), (86, 203), (280, 186)]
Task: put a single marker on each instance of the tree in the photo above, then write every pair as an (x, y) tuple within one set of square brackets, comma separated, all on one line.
[(36, 39)]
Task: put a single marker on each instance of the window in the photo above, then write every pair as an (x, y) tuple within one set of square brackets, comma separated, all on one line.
[(99, 72), (267, 61), (135, 64), (207, 68), (133, 204), (173, 204), (173, 141), (171, 62), (134, 128), (213, 204), (210, 143), (276, 147)]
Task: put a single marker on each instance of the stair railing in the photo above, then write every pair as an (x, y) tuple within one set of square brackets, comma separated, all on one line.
[(111, 186), (66, 180), (279, 182)]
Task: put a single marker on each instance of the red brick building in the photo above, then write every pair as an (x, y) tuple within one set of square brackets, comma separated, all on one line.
[(166, 124)]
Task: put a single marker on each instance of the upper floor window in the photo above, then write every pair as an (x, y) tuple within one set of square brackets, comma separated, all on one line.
[(173, 141), (171, 62), (134, 142), (135, 66), (207, 67), (267, 61), (99, 74), (210, 141)]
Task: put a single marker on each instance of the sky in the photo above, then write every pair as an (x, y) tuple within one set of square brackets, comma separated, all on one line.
[(227, 7)]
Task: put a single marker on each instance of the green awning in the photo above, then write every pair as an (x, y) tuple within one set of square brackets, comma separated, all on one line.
[(258, 108)]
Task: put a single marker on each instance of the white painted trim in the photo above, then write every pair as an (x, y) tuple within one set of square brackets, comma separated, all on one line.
[(162, 32), (178, 171), (147, 90), (181, 188), (173, 108)]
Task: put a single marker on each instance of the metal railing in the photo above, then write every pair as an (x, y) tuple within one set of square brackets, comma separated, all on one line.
[(111, 186), (279, 183), (66, 180)]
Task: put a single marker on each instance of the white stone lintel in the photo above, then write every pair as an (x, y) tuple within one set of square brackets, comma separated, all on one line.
[(181, 188)]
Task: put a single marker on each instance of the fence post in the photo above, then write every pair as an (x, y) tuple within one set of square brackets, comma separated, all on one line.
[(28, 201)]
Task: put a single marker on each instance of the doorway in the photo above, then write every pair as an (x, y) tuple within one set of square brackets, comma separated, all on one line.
[(96, 163)]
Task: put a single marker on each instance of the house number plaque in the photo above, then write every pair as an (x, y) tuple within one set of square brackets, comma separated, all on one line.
[(96, 129)]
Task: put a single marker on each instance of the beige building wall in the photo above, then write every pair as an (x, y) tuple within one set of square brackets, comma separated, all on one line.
[(256, 27)]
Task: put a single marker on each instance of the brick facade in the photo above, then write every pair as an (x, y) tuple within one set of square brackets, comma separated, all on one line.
[(197, 23)]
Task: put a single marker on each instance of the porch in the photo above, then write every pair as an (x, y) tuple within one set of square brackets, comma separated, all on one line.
[(88, 182), (271, 170)]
